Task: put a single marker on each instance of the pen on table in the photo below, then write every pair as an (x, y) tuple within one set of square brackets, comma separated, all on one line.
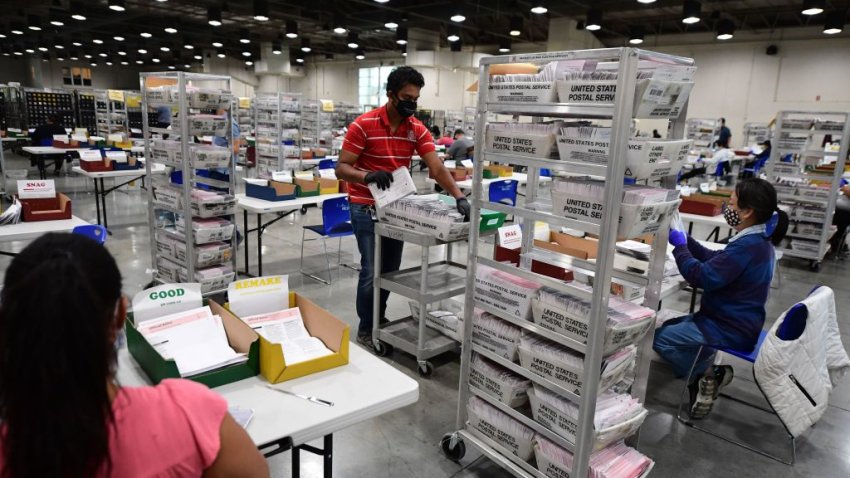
[(159, 343)]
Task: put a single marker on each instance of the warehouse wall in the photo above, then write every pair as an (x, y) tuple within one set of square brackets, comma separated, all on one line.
[(21, 70), (740, 82)]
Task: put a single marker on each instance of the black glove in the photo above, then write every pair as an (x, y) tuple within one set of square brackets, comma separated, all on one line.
[(382, 179), (464, 208)]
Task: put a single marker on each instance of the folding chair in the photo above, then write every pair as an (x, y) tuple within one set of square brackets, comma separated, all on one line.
[(92, 231), (327, 164), (336, 222), (792, 325)]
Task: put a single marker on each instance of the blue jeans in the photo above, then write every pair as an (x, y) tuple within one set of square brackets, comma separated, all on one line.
[(391, 249), (678, 342)]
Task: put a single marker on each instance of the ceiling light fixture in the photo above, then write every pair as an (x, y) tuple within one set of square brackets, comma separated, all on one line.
[(261, 10), (118, 38), (217, 44), (381, 1), (305, 45), (391, 22), (30, 49), (352, 40), (142, 51), (813, 7), (198, 57), (339, 25), (87, 56), (34, 23), (214, 16), (725, 29), (401, 36), (155, 60), (59, 46), (187, 44), (42, 48), (170, 27), (140, 62), (76, 43), (122, 53), (636, 35), (360, 55), (165, 48), (220, 54), (125, 62), (646, 2), (117, 5), (404, 51), (74, 56), (172, 67), (516, 26), (691, 11), (539, 7), (93, 64), (249, 63), (834, 22), (97, 41), (459, 15), (244, 36), (504, 46), (291, 29), (16, 28), (146, 34), (594, 20), (453, 34), (277, 47), (56, 18), (102, 54), (246, 53), (77, 11)]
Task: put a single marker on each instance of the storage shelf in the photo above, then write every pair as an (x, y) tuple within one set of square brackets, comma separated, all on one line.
[(534, 328), (500, 455), (794, 197), (809, 131), (445, 280), (542, 215), (413, 237), (548, 163), (404, 335), (518, 369), (584, 267), (533, 276), (799, 254), (524, 419), (555, 110)]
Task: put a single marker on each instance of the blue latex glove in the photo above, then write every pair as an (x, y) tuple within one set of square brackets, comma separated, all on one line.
[(678, 238)]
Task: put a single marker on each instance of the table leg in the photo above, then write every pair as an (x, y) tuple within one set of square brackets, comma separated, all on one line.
[(103, 194), (245, 241), (329, 456), (296, 462), (690, 228), (97, 199), (259, 246)]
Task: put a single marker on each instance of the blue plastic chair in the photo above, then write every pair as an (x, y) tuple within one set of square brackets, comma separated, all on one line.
[(327, 164), (336, 222), (758, 166), (92, 231), (792, 326), (504, 192)]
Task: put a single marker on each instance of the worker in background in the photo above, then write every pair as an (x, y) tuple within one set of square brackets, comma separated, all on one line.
[(841, 219), (461, 147), (61, 309), (725, 135), (759, 159), (735, 282), (43, 136), (446, 140), (378, 143)]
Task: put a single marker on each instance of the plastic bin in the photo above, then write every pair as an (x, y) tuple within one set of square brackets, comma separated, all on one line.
[(500, 427), (498, 382), (635, 219), (275, 191)]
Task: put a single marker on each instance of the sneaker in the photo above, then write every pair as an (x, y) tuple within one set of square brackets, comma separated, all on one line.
[(703, 391), (724, 375), (366, 341)]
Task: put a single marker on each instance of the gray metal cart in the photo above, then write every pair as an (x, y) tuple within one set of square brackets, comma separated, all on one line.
[(427, 283)]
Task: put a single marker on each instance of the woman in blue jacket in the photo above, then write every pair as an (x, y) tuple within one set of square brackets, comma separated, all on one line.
[(735, 282)]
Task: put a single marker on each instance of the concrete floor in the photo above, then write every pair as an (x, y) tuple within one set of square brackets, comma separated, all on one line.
[(406, 442)]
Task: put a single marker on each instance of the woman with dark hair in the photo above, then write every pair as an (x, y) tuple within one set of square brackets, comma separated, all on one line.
[(735, 282), (63, 415)]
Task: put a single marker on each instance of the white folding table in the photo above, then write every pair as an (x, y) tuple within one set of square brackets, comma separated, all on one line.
[(48, 150), (100, 191), (363, 389), (716, 222), (281, 208), (24, 231)]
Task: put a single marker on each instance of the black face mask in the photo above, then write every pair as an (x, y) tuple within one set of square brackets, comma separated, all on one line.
[(406, 108)]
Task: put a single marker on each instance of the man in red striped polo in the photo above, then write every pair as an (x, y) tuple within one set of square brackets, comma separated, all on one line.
[(378, 143)]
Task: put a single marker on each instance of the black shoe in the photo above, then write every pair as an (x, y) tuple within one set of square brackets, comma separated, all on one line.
[(366, 341), (384, 321), (724, 375), (703, 392)]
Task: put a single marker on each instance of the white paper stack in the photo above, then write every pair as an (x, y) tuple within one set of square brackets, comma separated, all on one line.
[(495, 335), (565, 367), (195, 340), (402, 186), (617, 415), (498, 382), (286, 327), (446, 317), (525, 88), (500, 427), (570, 315), (615, 461), (12, 214), (429, 213), (505, 292)]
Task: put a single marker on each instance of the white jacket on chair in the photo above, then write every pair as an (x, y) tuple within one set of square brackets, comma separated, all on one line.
[(797, 376)]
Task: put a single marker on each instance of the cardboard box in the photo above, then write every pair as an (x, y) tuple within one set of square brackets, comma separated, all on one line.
[(47, 209), (503, 254), (328, 186), (275, 191), (580, 247), (702, 205), (320, 324), (307, 187), (240, 337)]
